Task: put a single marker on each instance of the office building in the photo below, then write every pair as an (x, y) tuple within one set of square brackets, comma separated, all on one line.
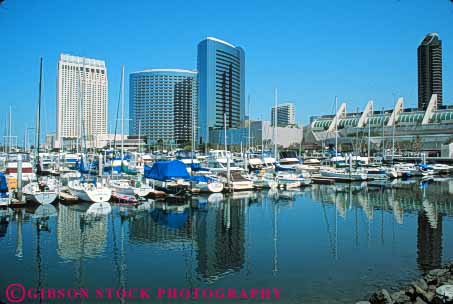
[(163, 105), (221, 67), (429, 55), (82, 98), (285, 115)]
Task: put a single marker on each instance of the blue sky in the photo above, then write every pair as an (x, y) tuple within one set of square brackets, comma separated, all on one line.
[(310, 50)]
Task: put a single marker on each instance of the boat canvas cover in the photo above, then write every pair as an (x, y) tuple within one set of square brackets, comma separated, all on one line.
[(166, 170), (3, 186)]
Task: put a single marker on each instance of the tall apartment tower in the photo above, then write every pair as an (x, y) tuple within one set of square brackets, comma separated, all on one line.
[(221, 68), (285, 115), (429, 70), (82, 98), (163, 104)]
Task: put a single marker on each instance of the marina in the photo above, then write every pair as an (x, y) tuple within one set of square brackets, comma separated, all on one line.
[(239, 240)]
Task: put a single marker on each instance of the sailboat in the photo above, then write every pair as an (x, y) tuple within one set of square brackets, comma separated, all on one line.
[(44, 192), (89, 191)]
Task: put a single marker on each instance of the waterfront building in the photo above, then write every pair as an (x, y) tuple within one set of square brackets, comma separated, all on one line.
[(82, 99), (429, 55), (261, 133), (285, 115), (410, 129), (163, 105), (221, 68)]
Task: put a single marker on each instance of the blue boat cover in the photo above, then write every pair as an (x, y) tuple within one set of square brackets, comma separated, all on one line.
[(201, 178), (167, 169), (3, 186), (424, 167)]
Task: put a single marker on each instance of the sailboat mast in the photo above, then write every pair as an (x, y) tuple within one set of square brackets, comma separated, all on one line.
[(383, 135), (38, 119), (275, 124), (122, 113), (369, 136), (10, 139), (336, 127)]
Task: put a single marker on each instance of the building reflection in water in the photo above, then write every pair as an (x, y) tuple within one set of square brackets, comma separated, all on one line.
[(217, 233), (80, 236), (220, 237), (429, 243), (165, 225), (431, 203)]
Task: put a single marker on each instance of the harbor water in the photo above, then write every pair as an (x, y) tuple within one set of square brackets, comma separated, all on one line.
[(320, 244)]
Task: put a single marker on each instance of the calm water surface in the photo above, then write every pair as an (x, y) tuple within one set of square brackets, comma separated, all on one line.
[(323, 244)]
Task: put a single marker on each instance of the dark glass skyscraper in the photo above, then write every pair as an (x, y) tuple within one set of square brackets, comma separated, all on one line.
[(429, 70), (163, 104), (221, 85)]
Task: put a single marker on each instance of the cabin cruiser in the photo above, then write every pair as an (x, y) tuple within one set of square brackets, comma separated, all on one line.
[(381, 173), (236, 181), (129, 187), (206, 184), (343, 174), (262, 180), (441, 168), (217, 162)]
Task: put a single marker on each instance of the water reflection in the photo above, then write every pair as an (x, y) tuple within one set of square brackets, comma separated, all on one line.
[(79, 235), (241, 238)]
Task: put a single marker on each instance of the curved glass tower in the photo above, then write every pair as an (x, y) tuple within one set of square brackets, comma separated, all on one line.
[(163, 105), (221, 67)]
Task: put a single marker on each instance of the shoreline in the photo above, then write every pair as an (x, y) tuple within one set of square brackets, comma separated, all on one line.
[(430, 288)]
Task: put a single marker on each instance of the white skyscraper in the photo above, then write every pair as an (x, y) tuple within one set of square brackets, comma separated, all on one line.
[(82, 96)]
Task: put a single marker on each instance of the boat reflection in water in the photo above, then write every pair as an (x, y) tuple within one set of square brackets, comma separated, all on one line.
[(241, 240)]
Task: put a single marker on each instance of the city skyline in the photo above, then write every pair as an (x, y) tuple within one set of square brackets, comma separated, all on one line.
[(356, 60)]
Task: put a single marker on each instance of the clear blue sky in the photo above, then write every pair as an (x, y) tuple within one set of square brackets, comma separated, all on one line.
[(310, 50)]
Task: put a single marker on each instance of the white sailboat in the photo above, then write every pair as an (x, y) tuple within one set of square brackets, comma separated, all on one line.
[(40, 192), (89, 192), (129, 187)]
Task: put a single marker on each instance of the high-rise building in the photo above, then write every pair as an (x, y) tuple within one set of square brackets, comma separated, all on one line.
[(82, 97), (221, 67), (285, 115), (163, 105), (429, 70)]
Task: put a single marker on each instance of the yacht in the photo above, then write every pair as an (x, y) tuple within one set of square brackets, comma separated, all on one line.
[(129, 187), (343, 175)]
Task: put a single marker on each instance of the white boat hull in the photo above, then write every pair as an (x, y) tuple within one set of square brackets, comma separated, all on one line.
[(42, 198), (94, 195)]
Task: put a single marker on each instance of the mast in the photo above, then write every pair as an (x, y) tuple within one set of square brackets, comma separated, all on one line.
[(393, 136), (369, 136), (248, 140), (10, 139), (38, 119), (139, 142), (336, 127), (275, 124), (122, 113), (383, 135)]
